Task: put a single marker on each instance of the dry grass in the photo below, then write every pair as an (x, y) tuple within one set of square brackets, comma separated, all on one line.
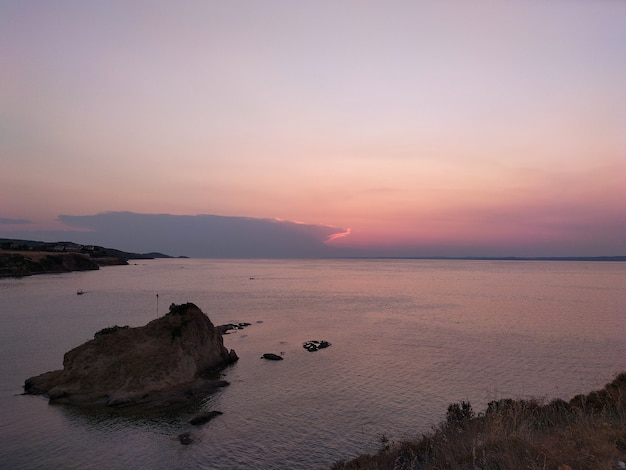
[(586, 433)]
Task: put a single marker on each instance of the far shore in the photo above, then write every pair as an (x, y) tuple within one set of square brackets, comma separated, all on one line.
[(21, 264), (20, 258)]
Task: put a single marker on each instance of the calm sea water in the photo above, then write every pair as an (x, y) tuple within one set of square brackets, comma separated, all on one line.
[(408, 338)]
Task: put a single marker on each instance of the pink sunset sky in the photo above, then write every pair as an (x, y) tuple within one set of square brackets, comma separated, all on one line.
[(495, 127)]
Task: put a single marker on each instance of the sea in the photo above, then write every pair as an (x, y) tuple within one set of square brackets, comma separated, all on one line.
[(408, 337)]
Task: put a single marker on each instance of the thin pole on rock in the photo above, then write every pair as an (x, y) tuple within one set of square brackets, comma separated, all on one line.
[(157, 296)]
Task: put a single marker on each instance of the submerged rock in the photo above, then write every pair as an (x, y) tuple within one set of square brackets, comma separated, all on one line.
[(185, 438), (161, 363), (205, 417)]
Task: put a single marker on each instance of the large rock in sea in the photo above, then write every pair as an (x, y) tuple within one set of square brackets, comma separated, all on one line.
[(161, 363)]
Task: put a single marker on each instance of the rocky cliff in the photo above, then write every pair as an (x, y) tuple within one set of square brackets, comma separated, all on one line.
[(18, 264), (163, 362)]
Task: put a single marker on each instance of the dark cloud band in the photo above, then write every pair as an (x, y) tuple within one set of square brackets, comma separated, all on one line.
[(8, 221)]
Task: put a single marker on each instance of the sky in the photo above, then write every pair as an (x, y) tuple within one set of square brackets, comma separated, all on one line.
[(408, 128)]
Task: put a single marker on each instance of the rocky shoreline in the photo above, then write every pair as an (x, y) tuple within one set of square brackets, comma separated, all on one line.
[(21, 264), (587, 432), (20, 258)]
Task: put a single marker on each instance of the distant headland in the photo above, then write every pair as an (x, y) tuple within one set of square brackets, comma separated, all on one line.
[(20, 258)]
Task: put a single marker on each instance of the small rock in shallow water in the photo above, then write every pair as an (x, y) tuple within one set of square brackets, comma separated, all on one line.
[(315, 345), (185, 438), (232, 356), (232, 327), (272, 357)]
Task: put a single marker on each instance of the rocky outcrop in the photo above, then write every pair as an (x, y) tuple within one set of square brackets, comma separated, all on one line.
[(161, 363), (315, 345)]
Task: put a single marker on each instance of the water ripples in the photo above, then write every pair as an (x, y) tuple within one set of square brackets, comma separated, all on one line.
[(408, 338)]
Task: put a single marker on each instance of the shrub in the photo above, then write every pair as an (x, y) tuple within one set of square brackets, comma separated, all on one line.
[(109, 330), (181, 309), (459, 414)]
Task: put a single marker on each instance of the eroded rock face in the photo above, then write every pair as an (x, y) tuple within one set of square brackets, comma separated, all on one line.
[(160, 363)]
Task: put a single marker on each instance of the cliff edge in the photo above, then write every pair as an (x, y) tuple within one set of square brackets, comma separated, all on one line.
[(19, 264), (162, 363)]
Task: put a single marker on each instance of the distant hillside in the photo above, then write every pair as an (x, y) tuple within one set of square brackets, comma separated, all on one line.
[(27, 257), (28, 263), (92, 251)]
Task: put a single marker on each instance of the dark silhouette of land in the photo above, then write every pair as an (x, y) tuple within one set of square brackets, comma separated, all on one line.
[(20, 258)]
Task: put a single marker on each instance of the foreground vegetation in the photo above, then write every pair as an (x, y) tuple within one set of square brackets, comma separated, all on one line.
[(588, 432)]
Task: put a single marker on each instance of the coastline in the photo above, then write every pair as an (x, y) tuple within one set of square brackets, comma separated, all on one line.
[(20, 258), (29, 263), (587, 433)]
